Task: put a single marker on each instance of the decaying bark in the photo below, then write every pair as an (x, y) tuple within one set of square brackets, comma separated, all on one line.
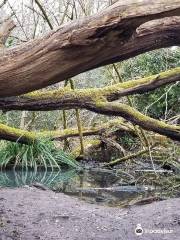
[(109, 36)]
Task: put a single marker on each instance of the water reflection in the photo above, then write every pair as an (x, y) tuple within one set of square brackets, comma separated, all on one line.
[(100, 186), (19, 178)]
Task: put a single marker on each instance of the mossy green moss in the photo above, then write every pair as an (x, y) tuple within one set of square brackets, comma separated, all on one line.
[(138, 82), (135, 116), (10, 131), (16, 133), (99, 94)]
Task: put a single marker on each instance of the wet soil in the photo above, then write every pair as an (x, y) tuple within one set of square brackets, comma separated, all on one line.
[(29, 213)]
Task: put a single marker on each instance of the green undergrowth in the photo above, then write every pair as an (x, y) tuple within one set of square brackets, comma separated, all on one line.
[(41, 154)]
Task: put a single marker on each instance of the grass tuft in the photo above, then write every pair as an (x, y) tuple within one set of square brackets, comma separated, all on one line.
[(42, 153)]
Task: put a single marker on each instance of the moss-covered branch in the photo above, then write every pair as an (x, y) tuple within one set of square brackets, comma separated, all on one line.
[(66, 98), (23, 136), (97, 100), (102, 107), (135, 117)]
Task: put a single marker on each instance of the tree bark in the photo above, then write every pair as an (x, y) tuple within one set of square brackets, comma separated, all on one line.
[(107, 37)]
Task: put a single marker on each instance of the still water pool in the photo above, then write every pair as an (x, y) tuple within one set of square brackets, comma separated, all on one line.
[(103, 187)]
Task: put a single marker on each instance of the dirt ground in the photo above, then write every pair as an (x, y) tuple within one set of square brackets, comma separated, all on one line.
[(30, 213)]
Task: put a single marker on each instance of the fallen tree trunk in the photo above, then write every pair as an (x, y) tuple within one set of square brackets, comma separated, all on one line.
[(137, 118), (24, 136), (107, 37), (97, 100), (108, 108), (66, 98)]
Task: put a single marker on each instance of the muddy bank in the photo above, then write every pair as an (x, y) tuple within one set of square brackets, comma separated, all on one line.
[(30, 213)]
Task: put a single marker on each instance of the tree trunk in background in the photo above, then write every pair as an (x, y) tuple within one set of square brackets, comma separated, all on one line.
[(5, 28), (23, 120)]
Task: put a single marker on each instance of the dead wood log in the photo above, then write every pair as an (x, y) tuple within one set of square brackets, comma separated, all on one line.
[(106, 37), (115, 109)]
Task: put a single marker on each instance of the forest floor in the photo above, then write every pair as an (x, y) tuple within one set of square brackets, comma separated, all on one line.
[(30, 213)]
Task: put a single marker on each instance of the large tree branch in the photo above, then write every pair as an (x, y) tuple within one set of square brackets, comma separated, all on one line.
[(24, 136), (100, 105), (66, 98), (107, 108), (104, 38), (134, 116)]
